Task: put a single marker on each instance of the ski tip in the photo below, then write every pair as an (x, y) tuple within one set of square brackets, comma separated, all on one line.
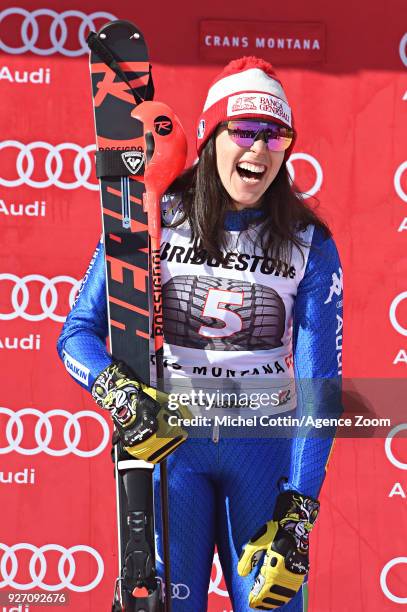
[(122, 29)]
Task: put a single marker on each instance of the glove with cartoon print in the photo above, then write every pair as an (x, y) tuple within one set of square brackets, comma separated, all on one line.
[(284, 543), (139, 412)]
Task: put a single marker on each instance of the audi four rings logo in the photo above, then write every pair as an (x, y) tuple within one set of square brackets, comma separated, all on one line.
[(58, 30), (52, 167), (319, 176), (182, 591), (9, 567), (178, 591), (20, 296), (43, 432)]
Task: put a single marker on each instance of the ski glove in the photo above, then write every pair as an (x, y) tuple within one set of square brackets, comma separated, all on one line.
[(139, 413), (284, 540)]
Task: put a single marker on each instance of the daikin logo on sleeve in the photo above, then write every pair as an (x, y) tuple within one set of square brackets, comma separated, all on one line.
[(76, 369)]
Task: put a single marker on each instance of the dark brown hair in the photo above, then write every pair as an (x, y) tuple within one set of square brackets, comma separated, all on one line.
[(205, 202)]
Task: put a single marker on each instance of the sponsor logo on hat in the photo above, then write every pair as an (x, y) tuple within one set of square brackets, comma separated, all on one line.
[(259, 104), (201, 128), (270, 104), (244, 103)]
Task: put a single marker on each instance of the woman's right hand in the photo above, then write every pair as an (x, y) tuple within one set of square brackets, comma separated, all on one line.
[(139, 412)]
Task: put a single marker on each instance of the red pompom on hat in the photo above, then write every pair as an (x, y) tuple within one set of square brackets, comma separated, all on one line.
[(247, 88)]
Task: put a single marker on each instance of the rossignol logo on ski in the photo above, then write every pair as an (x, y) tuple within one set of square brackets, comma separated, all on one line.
[(109, 85), (133, 160), (163, 125)]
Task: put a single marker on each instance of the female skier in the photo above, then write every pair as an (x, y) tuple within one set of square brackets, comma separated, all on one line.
[(252, 293)]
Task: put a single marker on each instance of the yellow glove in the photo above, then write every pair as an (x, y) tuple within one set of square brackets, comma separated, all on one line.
[(140, 413), (284, 544)]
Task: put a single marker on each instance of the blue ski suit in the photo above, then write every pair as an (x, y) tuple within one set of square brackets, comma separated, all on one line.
[(288, 323)]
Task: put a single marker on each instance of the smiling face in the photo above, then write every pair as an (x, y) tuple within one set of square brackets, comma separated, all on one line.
[(247, 172)]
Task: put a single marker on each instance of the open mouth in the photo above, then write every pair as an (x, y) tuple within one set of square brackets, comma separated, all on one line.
[(250, 173), (123, 414)]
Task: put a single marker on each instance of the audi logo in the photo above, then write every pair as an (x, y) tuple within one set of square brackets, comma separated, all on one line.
[(319, 176), (383, 580), (43, 432), (397, 181), (9, 567), (178, 591), (388, 449), (58, 30), (215, 582), (52, 166), (20, 296)]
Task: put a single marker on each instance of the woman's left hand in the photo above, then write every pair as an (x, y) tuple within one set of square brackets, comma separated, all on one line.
[(284, 543)]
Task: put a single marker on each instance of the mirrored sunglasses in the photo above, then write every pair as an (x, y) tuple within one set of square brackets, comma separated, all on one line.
[(245, 132)]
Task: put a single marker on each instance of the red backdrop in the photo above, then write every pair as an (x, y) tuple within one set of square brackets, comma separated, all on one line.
[(349, 95)]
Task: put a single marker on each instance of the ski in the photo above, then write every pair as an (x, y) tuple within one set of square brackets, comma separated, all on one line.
[(121, 79), (141, 149)]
